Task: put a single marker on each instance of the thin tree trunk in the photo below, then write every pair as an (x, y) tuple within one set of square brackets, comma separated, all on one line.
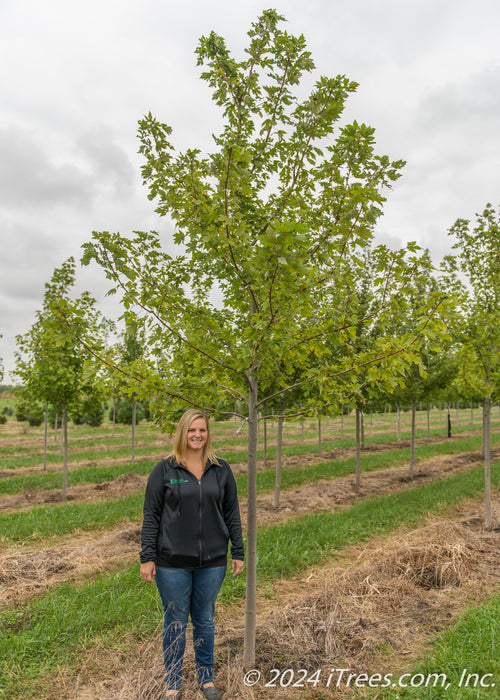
[(64, 432), (342, 423), (114, 416), (449, 421), (358, 447), (398, 423), (279, 442), (413, 426), (134, 414), (428, 420), (487, 463), (362, 429), (319, 436), (265, 443), (471, 417), (251, 553), (45, 432), (55, 426)]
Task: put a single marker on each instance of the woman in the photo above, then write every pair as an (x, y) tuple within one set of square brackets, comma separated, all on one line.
[(190, 512)]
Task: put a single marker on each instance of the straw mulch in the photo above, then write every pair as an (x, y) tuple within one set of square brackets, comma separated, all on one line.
[(371, 609)]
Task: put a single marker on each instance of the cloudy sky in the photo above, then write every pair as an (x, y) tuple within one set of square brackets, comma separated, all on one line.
[(75, 77)]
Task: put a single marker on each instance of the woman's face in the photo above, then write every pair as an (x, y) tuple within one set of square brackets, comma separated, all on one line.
[(197, 434)]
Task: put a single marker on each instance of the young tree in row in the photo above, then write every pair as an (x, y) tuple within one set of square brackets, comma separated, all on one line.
[(132, 350), (50, 361), (477, 322), (384, 307), (430, 371), (271, 226)]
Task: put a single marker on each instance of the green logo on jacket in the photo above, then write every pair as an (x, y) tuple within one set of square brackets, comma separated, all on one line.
[(178, 481)]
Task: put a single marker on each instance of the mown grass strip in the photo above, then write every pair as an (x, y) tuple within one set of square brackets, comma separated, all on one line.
[(291, 477), (79, 444), (369, 462), (45, 481), (41, 522), (120, 449), (462, 663), (59, 627)]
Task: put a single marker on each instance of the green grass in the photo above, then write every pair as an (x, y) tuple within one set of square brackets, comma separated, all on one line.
[(77, 444), (89, 456), (291, 477), (44, 481), (59, 627), (90, 445), (41, 522)]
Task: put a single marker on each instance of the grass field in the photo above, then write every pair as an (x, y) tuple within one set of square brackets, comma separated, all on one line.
[(389, 591)]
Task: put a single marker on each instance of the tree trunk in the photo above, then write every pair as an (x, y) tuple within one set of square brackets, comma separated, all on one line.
[(398, 423), (265, 443), (413, 427), (279, 442), (428, 420), (342, 423), (64, 431), (45, 432), (358, 447), (362, 417), (471, 417), (449, 421), (319, 437), (114, 416), (487, 457), (483, 441), (251, 553), (134, 414), (55, 426)]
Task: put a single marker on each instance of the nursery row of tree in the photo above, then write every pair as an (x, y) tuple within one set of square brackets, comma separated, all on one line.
[(272, 293)]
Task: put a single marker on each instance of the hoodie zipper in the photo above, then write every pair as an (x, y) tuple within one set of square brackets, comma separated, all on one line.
[(199, 522)]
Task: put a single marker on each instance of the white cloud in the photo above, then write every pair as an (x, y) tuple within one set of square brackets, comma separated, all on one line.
[(75, 78), (30, 178)]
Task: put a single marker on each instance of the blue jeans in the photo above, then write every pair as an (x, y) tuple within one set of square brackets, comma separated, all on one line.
[(187, 592)]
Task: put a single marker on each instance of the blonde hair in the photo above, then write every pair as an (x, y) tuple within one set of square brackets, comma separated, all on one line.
[(180, 438)]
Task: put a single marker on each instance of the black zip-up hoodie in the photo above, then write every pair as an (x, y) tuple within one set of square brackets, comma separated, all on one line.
[(188, 523)]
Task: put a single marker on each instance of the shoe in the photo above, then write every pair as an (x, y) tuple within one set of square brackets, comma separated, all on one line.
[(211, 692)]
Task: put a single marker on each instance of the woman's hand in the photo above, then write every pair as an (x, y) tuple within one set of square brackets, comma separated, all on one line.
[(237, 567), (148, 571)]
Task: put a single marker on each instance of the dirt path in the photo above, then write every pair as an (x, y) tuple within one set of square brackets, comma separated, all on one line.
[(372, 608), (26, 571)]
